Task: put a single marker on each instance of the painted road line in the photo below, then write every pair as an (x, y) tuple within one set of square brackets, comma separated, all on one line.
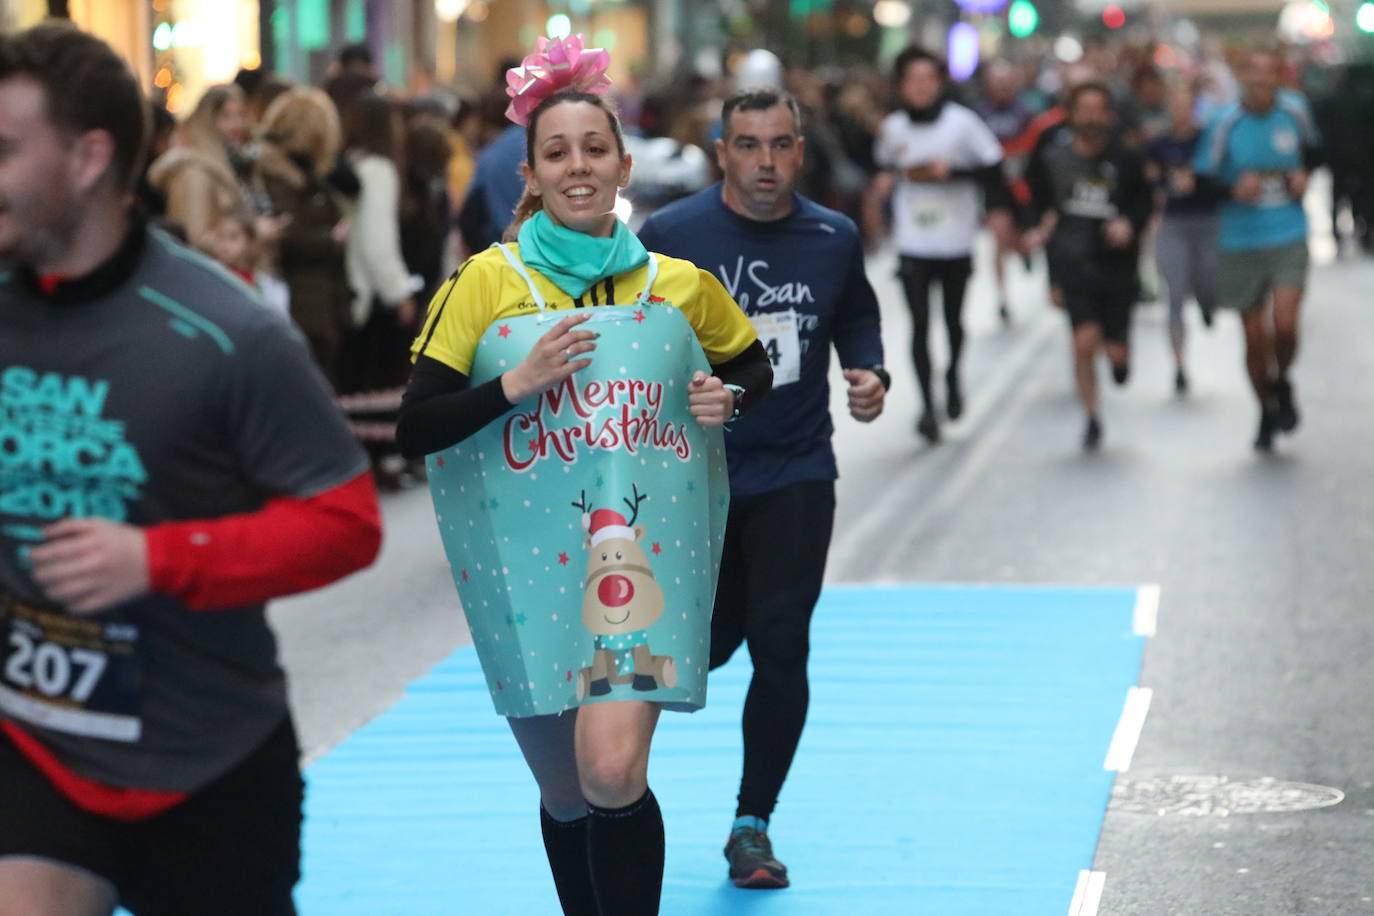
[(1087, 896), (852, 553), (1146, 616), (1127, 734)]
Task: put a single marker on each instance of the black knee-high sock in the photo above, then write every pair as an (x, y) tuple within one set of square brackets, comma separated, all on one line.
[(625, 849), (565, 842)]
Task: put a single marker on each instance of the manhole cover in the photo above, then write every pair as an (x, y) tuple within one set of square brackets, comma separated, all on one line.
[(1219, 796)]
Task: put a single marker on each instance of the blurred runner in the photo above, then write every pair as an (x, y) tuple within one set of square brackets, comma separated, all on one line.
[(1260, 150), (796, 269), (946, 163), (1009, 119), (1186, 248), (1090, 201), (173, 460)]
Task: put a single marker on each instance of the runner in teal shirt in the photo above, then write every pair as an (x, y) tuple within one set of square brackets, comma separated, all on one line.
[(1274, 143), (1257, 154)]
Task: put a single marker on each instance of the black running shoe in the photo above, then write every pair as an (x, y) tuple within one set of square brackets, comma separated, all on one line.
[(751, 861), (1004, 313), (1180, 383), (1286, 413), (928, 428), (1092, 435), (954, 406), (1264, 439)]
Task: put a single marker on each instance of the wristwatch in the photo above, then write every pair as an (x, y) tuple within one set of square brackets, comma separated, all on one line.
[(739, 399), (882, 375)]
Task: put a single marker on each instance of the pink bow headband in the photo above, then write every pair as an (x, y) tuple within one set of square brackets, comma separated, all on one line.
[(555, 65)]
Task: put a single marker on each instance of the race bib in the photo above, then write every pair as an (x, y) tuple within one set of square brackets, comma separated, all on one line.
[(928, 214), (780, 338), (70, 674), (1274, 189)]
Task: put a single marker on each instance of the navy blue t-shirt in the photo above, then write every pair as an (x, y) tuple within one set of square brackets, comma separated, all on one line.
[(1174, 158), (810, 261)]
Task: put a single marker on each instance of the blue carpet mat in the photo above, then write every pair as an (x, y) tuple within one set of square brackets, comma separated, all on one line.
[(952, 764)]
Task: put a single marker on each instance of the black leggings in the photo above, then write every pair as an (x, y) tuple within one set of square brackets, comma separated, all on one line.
[(770, 578), (916, 275)]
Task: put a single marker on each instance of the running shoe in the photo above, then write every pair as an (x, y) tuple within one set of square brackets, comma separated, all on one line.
[(751, 860), (1264, 439), (1004, 313), (1286, 413), (1092, 435), (1180, 383), (928, 428)]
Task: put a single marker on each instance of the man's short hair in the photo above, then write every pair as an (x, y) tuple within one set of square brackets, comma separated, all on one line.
[(356, 53), (759, 98), (87, 87), (1082, 89)]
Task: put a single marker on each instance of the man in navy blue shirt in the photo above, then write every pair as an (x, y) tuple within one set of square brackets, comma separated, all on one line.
[(796, 268), (495, 190)]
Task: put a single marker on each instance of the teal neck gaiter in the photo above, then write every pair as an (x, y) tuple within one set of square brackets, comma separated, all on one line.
[(574, 260)]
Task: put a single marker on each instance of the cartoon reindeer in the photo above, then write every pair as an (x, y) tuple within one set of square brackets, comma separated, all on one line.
[(620, 603)]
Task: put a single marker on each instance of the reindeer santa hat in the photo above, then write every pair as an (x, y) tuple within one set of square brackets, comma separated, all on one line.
[(605, 525)]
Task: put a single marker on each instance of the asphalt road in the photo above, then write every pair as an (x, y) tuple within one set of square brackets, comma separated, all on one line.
[(1260, 667)]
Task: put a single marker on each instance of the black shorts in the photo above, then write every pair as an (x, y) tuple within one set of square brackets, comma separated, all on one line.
[(1108, 309), (231, 849)]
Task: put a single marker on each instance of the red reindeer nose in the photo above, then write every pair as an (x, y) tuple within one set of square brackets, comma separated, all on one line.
[(615, 591)]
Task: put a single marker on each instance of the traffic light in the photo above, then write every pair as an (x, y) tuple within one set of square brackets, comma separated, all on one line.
[(1364, 16), (1022, 18)]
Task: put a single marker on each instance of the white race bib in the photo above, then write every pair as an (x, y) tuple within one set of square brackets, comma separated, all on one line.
[(77, 675), (780, 338), (1274, 189)]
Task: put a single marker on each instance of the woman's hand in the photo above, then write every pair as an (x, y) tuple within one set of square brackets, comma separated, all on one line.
[(710, 401), (550, 360)]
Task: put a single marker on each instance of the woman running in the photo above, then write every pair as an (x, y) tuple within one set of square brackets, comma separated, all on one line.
[(502, 385)]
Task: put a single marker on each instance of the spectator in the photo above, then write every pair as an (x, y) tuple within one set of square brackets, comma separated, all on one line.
[(300, 141), (196, 174)]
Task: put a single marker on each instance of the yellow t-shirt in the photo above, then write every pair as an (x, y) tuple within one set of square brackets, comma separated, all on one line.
[(487, 289)]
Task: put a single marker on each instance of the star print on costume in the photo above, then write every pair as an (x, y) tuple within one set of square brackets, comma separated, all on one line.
[(611, 437), (639, 316), (504, 330)]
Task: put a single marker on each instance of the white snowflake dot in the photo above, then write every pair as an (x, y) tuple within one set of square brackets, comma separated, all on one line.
[(535, 551)]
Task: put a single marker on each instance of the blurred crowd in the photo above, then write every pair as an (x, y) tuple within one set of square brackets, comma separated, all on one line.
[(346, 205)]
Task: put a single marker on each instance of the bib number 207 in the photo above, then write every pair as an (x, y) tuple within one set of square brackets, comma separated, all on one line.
[(51, 669)]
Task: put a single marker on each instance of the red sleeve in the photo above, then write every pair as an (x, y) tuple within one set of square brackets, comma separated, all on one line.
[(290, 545)]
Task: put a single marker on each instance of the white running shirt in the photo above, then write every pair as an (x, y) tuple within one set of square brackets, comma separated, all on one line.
[(936, 219)]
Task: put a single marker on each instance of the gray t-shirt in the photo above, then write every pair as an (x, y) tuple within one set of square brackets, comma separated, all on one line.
[(174, 394)]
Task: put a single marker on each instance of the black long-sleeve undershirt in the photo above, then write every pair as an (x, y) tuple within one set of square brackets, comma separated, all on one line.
[(441, 408)]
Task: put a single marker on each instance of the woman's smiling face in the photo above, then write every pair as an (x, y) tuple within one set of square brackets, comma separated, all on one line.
[(577, 167)]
